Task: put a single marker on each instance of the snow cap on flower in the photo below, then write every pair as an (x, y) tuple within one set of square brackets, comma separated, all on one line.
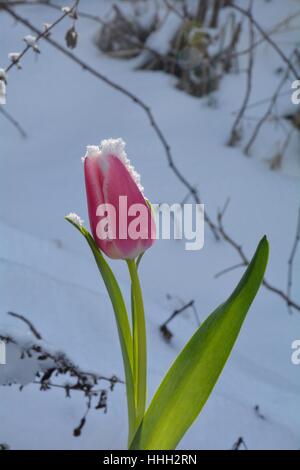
[(75, 219), (114, 147)]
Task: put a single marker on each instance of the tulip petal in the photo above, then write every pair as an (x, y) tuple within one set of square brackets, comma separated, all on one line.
[(119, 182)]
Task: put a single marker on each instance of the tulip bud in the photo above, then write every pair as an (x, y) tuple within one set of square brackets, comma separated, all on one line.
[(121, 220)]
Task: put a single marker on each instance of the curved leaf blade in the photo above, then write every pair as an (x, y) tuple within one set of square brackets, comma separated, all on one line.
[(190, 380), (122, 321)]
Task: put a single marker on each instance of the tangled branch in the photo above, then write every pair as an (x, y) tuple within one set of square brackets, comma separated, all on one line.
[(291, 261), (192, 190), (56, 364), (266, 115), (267, 37)]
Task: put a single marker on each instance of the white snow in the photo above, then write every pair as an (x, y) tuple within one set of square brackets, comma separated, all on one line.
[(75, 218), (66, 9), (2, 74), (14, 56), (30, 40), (2, 92), (160, 39), (48, 273), (115, 147), (21, 367)]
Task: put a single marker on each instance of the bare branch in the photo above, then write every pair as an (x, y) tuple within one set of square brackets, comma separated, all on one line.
[(266, 114), (28, 323), (227, 270), (40, 34), (14, 122), (167, 334), (269, 33), (235, 132), (173, 8), (58, 364), (239, 443), (267, 37), (258, 413), (291, 260), (54, 6)]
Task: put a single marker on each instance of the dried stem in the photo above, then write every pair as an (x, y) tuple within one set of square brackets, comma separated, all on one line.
[(235, 132), (32, 328), (266, 115), (267, 37), (291, 261), (14, 122)]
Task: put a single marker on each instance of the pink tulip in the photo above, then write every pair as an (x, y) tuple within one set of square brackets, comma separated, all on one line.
[(121, 221)]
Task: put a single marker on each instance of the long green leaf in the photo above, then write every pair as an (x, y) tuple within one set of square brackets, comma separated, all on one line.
[(190, 380), (121, 319)]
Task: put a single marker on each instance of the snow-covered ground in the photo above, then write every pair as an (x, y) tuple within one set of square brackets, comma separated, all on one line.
[(47, 272)]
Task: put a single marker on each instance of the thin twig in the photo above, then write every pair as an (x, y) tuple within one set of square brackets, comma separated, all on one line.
[(173, 8), (267, 37), (32, 328), (269, 33), (14, 122), (227, 270), (167, 334), (69, 387), (40, 34), (240, 442), (235, 132), (291, 261), (258, 413), (54, 6), (178, 311), (266, 114)]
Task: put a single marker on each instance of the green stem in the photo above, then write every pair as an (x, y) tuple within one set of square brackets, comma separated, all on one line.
[(139, 342)]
